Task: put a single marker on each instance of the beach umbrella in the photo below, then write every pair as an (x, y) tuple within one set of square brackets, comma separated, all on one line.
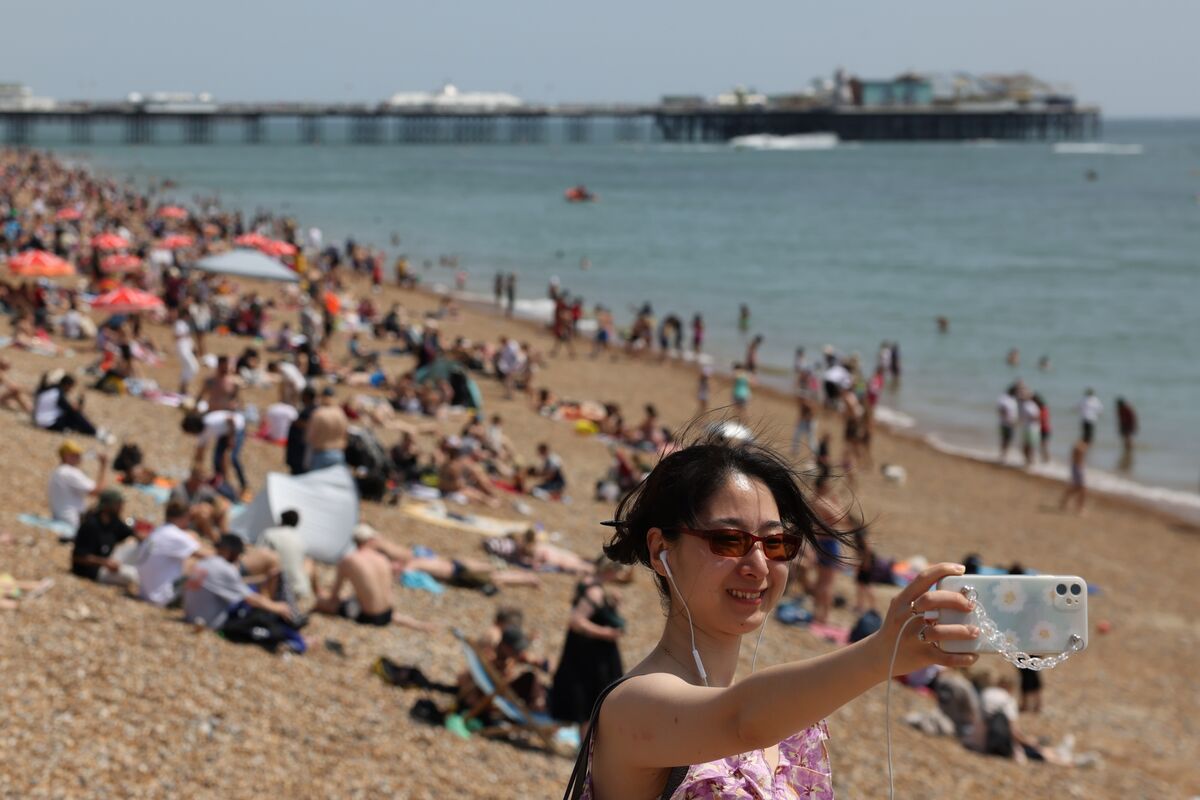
[(247, 264), (121, 262), (173, 212), (68, 214), (276, 247), (39, 264), (126, 300), (109, 241), (251, 240), (175, 241)]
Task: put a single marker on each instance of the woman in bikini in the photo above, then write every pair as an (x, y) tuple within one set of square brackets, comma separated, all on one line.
[(718, 524)]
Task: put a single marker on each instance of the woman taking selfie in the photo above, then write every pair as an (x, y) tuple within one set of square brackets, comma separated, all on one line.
[(719, 524)]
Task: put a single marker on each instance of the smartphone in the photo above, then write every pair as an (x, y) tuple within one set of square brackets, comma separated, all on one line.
[(1037, 613)]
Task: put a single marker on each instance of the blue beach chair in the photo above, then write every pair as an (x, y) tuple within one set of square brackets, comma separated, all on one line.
[(517, 718)]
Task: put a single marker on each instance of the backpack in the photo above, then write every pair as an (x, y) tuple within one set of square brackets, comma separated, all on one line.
[(248, 625), (867, 624)]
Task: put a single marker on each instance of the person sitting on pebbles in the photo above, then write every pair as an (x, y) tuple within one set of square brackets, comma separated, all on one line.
[(369, 573)]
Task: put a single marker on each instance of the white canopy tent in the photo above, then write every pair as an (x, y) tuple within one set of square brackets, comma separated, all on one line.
[(247, 264), (327, 501)]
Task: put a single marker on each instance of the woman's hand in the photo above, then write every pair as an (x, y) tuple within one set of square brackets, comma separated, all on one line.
[(913, 601)]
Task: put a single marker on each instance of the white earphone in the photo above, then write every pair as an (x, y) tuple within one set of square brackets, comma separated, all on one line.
[(662, 556)]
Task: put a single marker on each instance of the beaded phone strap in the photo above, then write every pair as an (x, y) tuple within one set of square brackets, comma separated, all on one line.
[(990, 634)]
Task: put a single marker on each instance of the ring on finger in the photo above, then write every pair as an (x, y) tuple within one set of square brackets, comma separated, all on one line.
[(912, 607), (921, 635)]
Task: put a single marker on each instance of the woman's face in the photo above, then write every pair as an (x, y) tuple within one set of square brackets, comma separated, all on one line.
[(729, 595)]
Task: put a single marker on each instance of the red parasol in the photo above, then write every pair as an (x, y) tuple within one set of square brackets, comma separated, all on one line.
[(125, 300), (277, 248), (173, 212), (109, 241), (176, 241), (39, 263), (251, 240), (121, 262)]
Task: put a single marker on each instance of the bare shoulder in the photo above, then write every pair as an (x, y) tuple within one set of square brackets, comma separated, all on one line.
[(635, 692)]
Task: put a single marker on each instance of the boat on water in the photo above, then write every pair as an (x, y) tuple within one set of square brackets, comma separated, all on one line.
[(796, 141), (1097, 149), (578, 194)]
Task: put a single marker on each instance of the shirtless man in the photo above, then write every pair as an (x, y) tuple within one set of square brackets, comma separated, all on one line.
[(327, 433), (221, 388), (465, 573), (369, 573), (461, 475)]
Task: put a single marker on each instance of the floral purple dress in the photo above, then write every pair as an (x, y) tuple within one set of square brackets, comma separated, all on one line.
[(803, 773)]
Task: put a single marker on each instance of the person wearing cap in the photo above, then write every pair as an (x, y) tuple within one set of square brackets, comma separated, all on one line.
[(369, 573), (326, 432), (69, 487), (215, 585), (104, 545)]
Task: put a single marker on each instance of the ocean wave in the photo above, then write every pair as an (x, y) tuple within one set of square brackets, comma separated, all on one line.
[(1097, 149), (1178, 501)]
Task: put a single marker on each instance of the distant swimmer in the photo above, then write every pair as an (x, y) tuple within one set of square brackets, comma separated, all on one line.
[(1092, 175), (585, 263), (1013, 359), (1044, 363), (943, 325)]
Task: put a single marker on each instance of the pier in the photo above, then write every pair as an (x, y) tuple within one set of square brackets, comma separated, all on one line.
[(361, 124)]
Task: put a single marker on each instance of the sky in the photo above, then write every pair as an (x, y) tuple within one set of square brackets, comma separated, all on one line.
[(1133, 59)]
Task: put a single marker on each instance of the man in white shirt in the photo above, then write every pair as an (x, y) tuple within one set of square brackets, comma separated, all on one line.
[(509, 362), (163, 557), (226, 430), (70, 488), (291, 383), (1090, 410), (1007, 410)]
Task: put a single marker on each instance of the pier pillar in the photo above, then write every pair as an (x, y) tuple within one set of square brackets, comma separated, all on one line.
[(528, 130), (197, 130), (18, 129), (81, 130), (365, 129), (252, 129), (310, 130), (138, 129), (627, 129), (578, 129)]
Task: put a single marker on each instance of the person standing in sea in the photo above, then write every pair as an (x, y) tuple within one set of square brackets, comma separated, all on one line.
[(697, 334), (744, 318), (1090, 410), (1127, 428), (1007, 411), (510, 289), (498, 288)]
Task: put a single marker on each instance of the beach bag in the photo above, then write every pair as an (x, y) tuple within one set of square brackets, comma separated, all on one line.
[(867, 624), (248, 625)]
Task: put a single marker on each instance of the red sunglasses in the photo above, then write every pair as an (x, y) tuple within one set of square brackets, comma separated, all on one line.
[(733, 543)]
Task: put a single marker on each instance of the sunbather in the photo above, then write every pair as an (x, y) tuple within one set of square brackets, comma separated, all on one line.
[(369, 573)]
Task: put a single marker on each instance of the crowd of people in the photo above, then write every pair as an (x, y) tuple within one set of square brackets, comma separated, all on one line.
[(327, 355)]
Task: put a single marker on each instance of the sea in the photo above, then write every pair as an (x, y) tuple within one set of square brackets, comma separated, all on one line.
[(1089, 259)]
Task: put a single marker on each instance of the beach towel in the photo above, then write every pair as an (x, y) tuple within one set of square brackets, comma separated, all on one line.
[(63, 529), (438, 514), (416, 579), (831, 633)]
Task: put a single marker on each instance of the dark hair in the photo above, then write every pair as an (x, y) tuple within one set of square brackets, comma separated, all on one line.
[(508, 616), (676, 491), (192, 423), (175, 510), (291, 518)]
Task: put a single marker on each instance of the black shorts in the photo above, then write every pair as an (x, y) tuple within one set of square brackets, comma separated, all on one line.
[(350, 610), (1031, 680)]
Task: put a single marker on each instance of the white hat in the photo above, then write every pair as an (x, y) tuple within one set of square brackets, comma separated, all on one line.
[(364, 533)]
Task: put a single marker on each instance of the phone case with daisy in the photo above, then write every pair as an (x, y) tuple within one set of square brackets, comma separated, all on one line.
[(1037, 613)]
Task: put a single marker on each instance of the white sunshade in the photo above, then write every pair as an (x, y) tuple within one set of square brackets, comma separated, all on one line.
[(248, 264), (327, 501)]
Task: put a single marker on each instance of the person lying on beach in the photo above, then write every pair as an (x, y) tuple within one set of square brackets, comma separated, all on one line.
[(12, 394), (529, 551), (368, 573), (13, 591), (461, 573)]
